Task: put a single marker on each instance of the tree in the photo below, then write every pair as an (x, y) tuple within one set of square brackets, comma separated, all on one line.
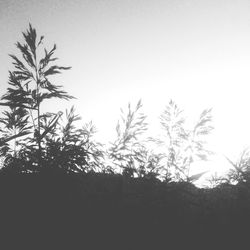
[(29, 86)]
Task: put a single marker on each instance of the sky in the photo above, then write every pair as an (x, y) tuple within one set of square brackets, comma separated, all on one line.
[(196, 52)]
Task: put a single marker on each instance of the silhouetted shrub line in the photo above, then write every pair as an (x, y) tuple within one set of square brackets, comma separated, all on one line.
[(32, 140), (35, 142)]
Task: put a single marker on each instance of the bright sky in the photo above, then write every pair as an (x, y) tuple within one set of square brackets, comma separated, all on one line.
[(196, 52)]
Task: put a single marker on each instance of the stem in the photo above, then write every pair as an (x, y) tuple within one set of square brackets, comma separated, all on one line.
[(38, 117), (31, 115), (39, 137), (38, 112), (15, 143)]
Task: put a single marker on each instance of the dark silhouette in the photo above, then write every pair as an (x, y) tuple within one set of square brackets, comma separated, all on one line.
[(29, 86), (93, 210)]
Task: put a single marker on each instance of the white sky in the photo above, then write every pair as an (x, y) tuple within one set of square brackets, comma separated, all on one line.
[(196, 52)]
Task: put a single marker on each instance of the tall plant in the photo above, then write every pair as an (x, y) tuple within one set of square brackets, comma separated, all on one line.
[(183, 146), (240, 171), (70, 148), (14, 125), (30, 85), (123, 151)]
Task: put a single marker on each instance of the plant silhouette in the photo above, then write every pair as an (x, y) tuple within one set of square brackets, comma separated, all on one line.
[(29, 86), (241, 168), (183, 146), (70, 148), (129, 153)]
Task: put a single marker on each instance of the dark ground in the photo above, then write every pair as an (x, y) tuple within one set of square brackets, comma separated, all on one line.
[(98, 211)]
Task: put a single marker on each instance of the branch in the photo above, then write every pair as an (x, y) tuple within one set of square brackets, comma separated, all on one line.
[(51, 125)]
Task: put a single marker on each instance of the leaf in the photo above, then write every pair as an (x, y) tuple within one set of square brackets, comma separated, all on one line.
[(40, 41), (55, 70), (26, 54), (18, 64), (196, 177), (4, 140), (52, 123), (13, 105)]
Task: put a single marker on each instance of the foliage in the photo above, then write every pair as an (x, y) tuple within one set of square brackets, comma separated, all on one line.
[(64, 147), (31, 139), (183, 146), (74, 149), (128, 152), (241, 168), (149, 164), (216, 180), (29, 86), (129, 127), (15, 125), (95, 150), (58, 144)]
